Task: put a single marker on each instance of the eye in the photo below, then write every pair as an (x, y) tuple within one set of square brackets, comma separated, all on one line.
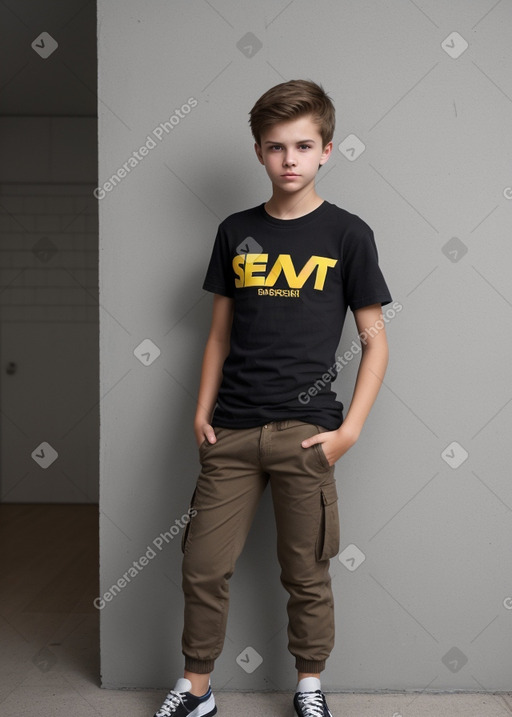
[(304, 146), (275, 147)]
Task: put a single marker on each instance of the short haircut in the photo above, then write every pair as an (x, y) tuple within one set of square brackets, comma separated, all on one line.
[(290, 100)]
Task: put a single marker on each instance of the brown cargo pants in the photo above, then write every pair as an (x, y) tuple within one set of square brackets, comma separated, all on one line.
[(234, 473)]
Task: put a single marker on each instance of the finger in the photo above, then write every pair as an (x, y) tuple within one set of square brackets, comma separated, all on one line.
[(210, 434), (310, 441)]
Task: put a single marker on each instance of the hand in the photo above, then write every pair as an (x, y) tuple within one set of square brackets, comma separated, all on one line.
[(334, 443), (204, 431)]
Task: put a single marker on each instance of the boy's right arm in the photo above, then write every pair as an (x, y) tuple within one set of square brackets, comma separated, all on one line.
[(216, 350)]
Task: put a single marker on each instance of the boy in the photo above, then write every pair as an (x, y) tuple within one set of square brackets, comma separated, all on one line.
[(283, 274)]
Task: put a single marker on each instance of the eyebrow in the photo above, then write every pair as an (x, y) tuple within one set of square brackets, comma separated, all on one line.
[(301, 141)]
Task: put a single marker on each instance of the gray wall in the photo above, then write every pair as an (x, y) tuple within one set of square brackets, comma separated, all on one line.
[(429, 607)]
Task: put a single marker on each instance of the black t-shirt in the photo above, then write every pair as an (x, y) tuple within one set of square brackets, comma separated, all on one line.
[(292, 281)]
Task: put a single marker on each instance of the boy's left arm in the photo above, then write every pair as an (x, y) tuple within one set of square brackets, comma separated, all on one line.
[(374, 360)]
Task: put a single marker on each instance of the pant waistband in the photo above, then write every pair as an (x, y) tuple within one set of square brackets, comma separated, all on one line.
[(282, 425)]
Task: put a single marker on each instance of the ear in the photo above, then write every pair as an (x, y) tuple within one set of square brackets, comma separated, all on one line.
[(326, 153), (257, 149)]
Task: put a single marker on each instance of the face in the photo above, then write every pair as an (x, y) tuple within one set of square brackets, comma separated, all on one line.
[(292, 152)]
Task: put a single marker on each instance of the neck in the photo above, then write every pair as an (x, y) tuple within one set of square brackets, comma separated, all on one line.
[(282, 205)]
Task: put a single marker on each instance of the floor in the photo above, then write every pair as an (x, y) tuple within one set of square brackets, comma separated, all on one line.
[(49, 640)]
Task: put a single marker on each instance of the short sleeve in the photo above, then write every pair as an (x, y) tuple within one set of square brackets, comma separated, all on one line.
[(363, 281), (219, 275)]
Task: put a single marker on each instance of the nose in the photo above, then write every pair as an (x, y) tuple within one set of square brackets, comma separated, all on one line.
[(289, 160)]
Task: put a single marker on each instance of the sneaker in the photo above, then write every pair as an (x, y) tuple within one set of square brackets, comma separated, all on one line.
[(181, 703), (308, 701)]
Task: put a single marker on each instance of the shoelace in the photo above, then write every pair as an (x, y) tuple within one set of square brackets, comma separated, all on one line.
[(172, 701), (312, 703)]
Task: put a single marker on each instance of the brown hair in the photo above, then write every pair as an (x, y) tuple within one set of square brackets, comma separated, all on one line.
[(290, 100)]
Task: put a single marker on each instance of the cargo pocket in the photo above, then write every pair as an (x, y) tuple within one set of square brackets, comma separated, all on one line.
[(328, 542), (187, 526)]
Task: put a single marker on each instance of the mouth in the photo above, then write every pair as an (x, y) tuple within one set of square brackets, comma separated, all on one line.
[(290, 174)]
